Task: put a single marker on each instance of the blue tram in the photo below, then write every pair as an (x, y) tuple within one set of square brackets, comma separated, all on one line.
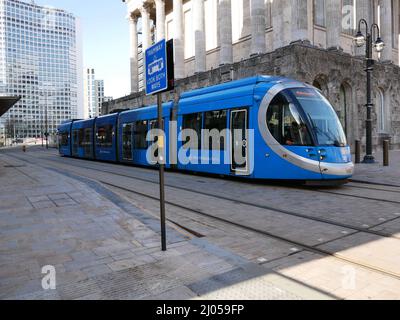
[(284, 130)]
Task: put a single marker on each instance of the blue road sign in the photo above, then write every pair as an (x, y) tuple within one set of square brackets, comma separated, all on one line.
[(156, 68)]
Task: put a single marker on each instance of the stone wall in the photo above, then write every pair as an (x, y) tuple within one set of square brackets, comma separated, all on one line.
[(329, 70)]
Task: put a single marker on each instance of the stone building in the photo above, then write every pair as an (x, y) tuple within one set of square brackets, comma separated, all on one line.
[(308, 40)]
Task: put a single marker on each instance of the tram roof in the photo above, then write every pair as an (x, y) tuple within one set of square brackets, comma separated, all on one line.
[(232, 85)]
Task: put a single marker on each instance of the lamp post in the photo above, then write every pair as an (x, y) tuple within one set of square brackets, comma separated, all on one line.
[(370, 40), (46, 125)]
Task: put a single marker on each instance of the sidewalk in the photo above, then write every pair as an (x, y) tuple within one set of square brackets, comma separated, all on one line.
[(377, 173), (103, 247)]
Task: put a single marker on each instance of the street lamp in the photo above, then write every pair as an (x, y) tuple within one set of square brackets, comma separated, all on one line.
[(368, 39)]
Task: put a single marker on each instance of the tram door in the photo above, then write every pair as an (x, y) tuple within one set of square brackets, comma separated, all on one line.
[(239, 141), (127, 141)]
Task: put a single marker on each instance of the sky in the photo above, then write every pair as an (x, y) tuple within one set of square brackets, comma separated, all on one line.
[(105, 37)]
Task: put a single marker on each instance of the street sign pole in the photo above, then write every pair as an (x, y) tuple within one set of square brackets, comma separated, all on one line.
[(158, 79), (161, 148)]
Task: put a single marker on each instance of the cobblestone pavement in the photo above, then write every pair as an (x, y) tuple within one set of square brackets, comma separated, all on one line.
[(377, 173), (104, 242), (104, 247)]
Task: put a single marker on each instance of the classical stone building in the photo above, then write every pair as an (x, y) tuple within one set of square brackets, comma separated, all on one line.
[(308, 40)]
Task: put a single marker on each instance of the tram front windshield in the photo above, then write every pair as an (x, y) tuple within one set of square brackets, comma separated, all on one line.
[(322, 117)]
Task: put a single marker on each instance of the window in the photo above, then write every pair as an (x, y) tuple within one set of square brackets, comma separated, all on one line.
[(127, 141), (139, 134), (189, 34), (381, 111), (105, 136), (211, 30), (268, 13), (81, 138), (193, 121), (285, 124), (64, 139), (216, 120), (319, 13)]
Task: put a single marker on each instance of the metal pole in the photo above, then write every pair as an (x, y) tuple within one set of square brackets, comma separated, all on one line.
[(386, 146), (161, 149), (369, 158), (41, 125), (47, 127), (358, 152)]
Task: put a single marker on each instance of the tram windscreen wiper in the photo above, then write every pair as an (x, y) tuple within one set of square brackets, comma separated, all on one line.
[(328, 134)]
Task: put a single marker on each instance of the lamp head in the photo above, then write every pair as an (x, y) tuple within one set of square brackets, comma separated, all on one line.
[(359, 39), (379, 45)]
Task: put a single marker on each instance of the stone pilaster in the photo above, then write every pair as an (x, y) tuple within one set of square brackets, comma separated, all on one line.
[(134, 53), (333, 24), (387, 29), (299, 21), (281, 22), (160, 17), (179, 46), (258, 26), (225, 31), (199, 35)]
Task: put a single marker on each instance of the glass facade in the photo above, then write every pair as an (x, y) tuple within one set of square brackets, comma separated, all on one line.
[(38, 61)]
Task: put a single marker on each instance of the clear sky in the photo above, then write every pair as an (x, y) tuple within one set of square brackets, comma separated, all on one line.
[(105, 40)]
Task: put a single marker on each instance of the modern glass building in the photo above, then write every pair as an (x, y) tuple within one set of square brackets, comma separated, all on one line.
[(40, 60), (93, 95)]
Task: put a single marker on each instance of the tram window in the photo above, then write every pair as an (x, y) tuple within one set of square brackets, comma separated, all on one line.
[(285, 123), (105, 136), (140, 133), (64, 139), (193, 121), (81, 138), (75, 136), (127, 141), (216, 120), (87, 137)]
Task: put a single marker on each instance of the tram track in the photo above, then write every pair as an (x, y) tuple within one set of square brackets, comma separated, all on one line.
[(311, 248), (306, 247), (263, 206)]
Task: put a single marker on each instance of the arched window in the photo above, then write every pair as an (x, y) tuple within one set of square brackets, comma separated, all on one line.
[(381, 111)]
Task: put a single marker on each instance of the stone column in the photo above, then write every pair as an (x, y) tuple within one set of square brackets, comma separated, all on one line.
[(281, 22), (386, 29), (199, 36), (179, 46), (160, 16), (299, 20), (134, 53), (146, 33), (363, 11), (258, 26), (225, 31), (333, 24)]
